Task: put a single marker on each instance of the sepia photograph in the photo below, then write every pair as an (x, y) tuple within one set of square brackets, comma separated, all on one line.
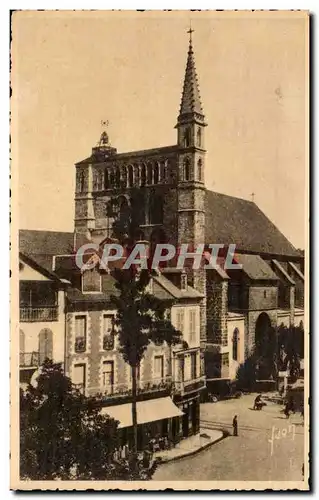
[(159, 250)]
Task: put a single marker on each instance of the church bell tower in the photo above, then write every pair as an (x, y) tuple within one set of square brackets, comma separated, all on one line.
[(191, 172)]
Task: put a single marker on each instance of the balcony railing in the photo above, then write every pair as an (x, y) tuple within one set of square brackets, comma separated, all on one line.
[(29, 359), (33, 314), (123, 390), (188, 386)]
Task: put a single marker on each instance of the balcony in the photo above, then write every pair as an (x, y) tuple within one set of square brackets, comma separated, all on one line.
[(188, 386), (125, 390), (38, 314), (29, 359)]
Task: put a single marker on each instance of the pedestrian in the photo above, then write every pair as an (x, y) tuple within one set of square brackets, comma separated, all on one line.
[(287, 410), (235, 425)]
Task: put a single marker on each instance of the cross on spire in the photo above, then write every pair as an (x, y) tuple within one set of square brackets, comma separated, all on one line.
[(190, 31)]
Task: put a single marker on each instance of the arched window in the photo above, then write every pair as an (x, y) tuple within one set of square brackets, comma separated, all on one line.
[(143, 175), (235, 344), (124, 177), (137, 176), (200, 170), (162, 172), (106, 179), (186, 169), (118, 178), (112, 178), (187, 137), (149, 173), (45, 344), (130, 176), (199, 137), (156, 173)]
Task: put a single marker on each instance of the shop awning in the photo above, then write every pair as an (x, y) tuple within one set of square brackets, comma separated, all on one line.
[(147, 411)]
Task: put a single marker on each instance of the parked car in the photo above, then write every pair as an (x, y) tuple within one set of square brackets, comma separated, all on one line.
[(220, 389)]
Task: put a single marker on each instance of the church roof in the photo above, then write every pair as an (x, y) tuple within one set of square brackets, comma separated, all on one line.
[(238, 221), (191, 102), (256, 268)]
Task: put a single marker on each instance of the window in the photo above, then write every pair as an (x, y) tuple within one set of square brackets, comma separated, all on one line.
[(235, 344), (149, 174), (21, 341), (91, 281), (45, 344), (186, 169), (159, 367), (193, 365), (187, 137), (80, 333), (225, 359), (124, 175), (143, 175), (199, 170), (184, 281), (181, 369), (130, 176), (108, 333), (199, 137), (192, 326), (156, 173), (117, 178), (180, 320), (79, 376), (265, 294), (108, 376), (106, 179)]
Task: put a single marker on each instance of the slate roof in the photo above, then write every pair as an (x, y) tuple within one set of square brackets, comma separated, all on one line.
[(238, 221), (75, 295), (177, 293), (38, 242), (191, 102), (255, 267)]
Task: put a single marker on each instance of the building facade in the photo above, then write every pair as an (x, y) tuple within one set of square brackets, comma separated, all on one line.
[(166, 186), (42, 318)]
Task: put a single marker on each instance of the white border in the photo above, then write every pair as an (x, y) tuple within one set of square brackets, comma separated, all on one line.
[(4, 198)]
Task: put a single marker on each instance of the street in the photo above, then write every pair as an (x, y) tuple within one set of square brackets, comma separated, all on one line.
[(269, 446)]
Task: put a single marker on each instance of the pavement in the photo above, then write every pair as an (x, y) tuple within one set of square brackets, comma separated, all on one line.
[(190, 446), (269, 446)]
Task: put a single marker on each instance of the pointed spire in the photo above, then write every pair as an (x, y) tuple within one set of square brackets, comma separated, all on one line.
[(191, 102)]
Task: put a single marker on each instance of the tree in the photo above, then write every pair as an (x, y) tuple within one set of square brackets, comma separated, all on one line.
[(140, 316), (290, 348), (63, 434)]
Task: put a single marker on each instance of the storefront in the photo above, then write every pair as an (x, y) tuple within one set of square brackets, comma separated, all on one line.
[(189, 422), (159, 423)]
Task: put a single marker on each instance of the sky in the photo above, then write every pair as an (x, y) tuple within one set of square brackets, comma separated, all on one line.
[(70, 70)]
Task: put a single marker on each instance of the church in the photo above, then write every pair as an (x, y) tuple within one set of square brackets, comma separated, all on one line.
[(238, 306)]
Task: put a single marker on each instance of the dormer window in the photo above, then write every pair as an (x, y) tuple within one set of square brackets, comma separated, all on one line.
[(184, 281), (91, 281)]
